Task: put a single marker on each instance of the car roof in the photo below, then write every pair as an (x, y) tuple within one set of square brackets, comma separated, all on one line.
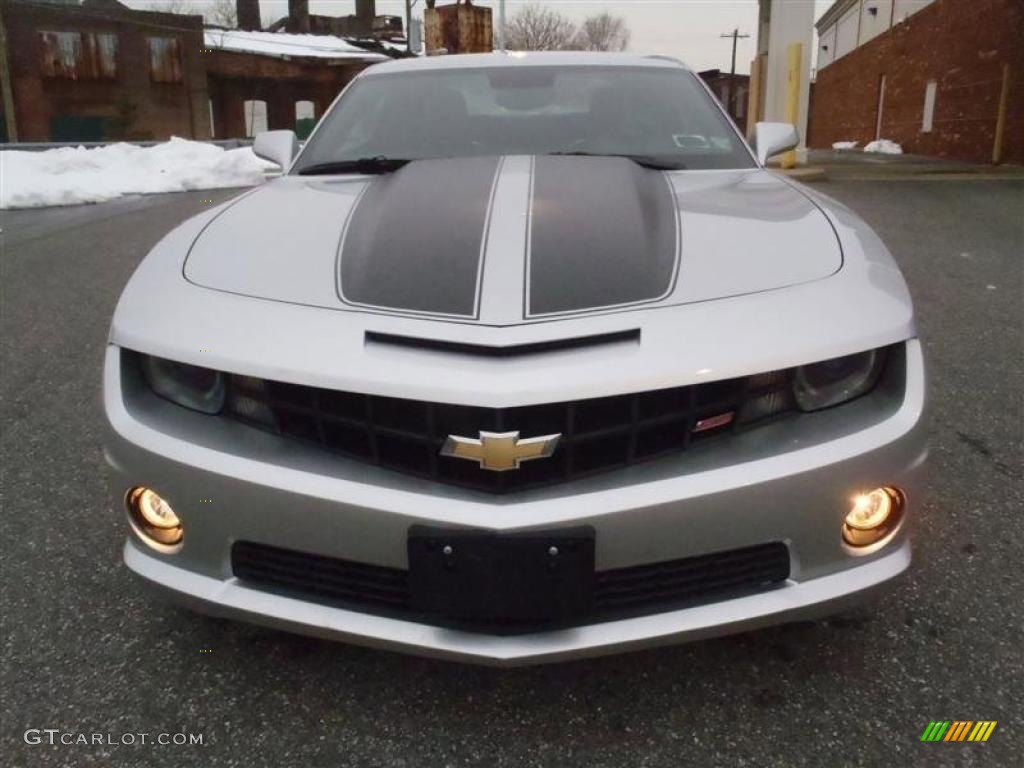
[(525, 58)]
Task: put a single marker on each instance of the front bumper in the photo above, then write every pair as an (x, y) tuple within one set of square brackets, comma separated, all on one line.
[(794, 601), (235, 484)]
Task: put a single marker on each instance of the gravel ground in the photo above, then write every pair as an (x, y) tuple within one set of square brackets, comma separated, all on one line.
[(86, 649)]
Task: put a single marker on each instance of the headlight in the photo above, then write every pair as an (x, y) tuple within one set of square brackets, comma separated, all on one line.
[(189, 385), (835, 381)]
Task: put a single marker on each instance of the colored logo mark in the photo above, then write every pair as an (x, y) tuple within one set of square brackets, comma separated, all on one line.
[(958, 730)]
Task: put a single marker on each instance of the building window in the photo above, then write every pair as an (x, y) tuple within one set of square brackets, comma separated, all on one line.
[(106, 54), (255, 117), (305, 118), (78, 55), (165, 60), (62, 52), (928, 115), (881, 107)]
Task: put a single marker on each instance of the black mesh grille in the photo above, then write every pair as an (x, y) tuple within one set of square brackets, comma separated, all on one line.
[(597, 434), (620, 593), (343, 581)]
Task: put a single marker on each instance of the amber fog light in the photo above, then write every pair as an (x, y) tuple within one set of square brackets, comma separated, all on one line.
[(873, 516), (153, 519)]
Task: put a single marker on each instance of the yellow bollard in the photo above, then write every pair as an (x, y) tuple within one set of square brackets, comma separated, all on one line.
[(755, 94), (795, 52)]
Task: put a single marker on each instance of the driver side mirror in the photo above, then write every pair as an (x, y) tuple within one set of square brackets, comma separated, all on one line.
[(772, 138), (277, 147)]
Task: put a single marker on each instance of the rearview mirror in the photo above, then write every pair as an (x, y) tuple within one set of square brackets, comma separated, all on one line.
[(772, 138), (277, 147)]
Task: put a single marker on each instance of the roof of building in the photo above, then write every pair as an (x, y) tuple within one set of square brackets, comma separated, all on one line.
[(527, 58), (283, 45), (837, 9), (719, 73)]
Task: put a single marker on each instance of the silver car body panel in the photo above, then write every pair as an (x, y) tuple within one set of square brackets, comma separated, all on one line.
[(792, 602), (864, 305), (771, 275), (262, 489), (246, 250)]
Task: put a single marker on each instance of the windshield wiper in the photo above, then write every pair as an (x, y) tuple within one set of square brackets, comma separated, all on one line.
[(366, 165), (647, 161)]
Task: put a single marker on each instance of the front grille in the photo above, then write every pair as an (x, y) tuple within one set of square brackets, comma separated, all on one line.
[(620, 593), (598, 434)]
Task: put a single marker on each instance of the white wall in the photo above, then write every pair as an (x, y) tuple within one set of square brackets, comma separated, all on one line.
[(864, 21), (792, 21), (827, 47), (846, 31), (905, 8), (874, 18)]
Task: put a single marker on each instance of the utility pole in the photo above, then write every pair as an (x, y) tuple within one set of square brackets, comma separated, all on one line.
[(731, 92), (409, 5), (501, 25), (5, 83), (736, 36), (408, 25)]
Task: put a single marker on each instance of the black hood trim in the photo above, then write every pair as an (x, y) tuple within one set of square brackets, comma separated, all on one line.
[(414, 241), (614, 243)]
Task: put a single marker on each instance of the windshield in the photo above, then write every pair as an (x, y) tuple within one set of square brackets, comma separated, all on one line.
[(659, 116)]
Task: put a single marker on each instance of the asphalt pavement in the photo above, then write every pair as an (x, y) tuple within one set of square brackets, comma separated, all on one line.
[(88, 650)]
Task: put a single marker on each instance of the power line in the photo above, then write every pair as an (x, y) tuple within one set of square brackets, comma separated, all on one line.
[(736, 36)]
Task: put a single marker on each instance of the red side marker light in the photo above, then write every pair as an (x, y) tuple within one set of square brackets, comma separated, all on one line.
[(713, 422)]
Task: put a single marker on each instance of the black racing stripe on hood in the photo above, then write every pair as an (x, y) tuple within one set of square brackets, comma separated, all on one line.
[(414, 241), (603, 233)]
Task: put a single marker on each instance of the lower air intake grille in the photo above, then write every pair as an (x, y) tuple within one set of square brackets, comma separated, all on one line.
[(620, 593)]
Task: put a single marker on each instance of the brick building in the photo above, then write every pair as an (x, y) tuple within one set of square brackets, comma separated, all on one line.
[(266, 80), (928, 74), (364, 23), (99, 70), (731, 90), (459, 27)]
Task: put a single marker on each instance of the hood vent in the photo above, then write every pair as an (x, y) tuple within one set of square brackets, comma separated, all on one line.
[(513, 350)]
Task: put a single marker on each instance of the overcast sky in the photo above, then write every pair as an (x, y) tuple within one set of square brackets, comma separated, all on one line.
[(687, 29)]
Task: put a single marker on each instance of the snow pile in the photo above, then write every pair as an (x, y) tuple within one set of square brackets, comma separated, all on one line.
[(845, 144), (73, 175), (283, 44), (884, 146), (400, 46)]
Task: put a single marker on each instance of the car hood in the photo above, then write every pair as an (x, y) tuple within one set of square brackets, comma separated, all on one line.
[(513, 240)]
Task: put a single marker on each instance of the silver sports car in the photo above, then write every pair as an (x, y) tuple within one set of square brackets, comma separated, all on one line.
[(523, 358)]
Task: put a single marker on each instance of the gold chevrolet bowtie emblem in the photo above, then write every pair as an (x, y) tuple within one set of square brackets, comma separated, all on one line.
[(500, 451)]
